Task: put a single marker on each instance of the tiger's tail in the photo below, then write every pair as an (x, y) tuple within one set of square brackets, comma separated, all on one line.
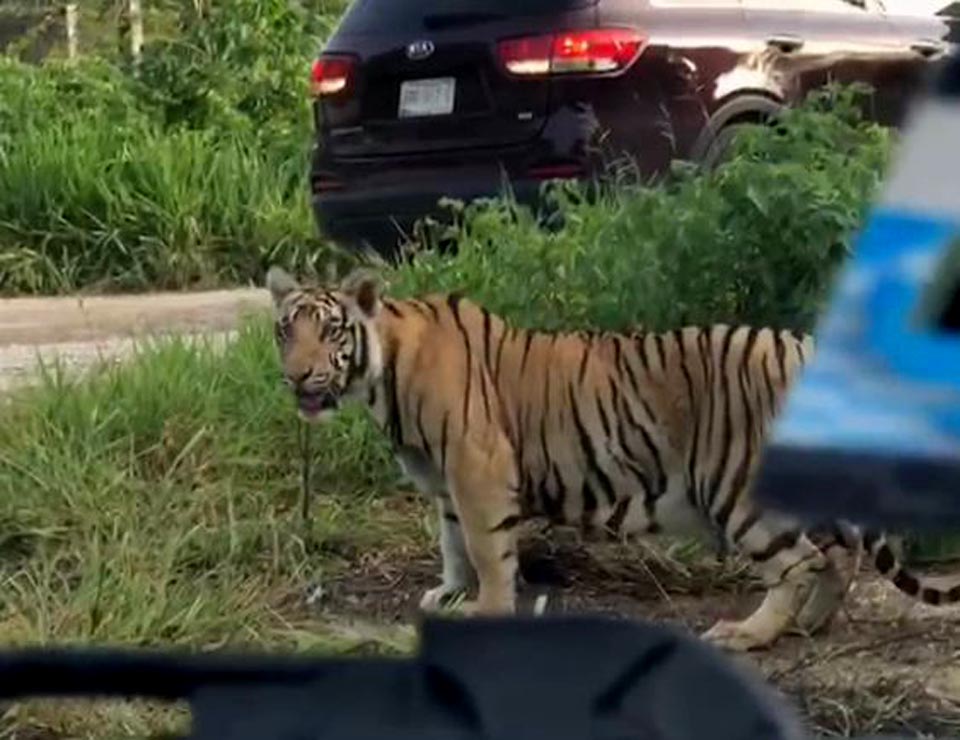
[(890, 567)]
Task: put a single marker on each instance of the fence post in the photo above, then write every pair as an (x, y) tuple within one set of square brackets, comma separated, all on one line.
[(70, 14), (135, 15)]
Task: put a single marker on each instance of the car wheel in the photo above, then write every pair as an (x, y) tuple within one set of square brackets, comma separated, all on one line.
[(721, 148)]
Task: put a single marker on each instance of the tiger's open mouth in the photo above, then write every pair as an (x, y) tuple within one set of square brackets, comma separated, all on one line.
[(313, 405)]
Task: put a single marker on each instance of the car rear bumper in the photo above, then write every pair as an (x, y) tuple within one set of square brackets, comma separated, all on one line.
[(381, 215)]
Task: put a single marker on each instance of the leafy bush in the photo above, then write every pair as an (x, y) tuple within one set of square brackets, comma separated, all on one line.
[(242, 64), (755, 240), (96, 192)]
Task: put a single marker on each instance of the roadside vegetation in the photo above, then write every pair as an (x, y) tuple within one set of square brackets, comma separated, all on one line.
[(189, 172)]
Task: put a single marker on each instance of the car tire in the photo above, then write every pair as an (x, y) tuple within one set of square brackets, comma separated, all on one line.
[(721, 147)]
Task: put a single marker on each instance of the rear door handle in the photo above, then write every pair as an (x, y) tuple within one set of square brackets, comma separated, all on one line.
[(786, 42), (927, 48)]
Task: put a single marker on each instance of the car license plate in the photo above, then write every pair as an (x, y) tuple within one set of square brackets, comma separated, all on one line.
[(433, 97)]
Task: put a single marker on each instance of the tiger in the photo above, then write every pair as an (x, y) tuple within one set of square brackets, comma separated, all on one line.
[(622, 434)]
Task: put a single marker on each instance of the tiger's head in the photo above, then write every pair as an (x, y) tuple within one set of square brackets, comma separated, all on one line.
[(327, 339)]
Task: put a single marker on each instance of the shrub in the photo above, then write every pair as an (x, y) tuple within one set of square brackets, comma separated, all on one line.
[(243, 64), (190, 172), (755, 240), (96, 192)]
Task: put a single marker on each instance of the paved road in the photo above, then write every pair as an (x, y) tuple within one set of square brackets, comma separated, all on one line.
[(80, 331)]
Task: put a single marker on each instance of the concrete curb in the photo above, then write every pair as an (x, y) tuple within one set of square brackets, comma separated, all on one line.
[(79, 332)]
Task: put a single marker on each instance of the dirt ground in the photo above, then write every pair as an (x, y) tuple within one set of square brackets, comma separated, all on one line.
[(886, 666)]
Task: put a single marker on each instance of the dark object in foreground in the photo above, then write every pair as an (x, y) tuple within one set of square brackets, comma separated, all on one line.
[(562, 678), (894, 492)]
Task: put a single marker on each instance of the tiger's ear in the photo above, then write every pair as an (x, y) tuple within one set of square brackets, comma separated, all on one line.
[(280, 284), (364, 288)]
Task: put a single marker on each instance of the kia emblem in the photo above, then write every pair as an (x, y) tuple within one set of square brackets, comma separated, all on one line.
[(419, 50)]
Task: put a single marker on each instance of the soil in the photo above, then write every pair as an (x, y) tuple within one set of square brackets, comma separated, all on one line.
[(885, 666)]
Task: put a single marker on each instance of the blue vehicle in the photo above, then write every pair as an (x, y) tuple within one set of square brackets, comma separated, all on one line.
[(871, 431)]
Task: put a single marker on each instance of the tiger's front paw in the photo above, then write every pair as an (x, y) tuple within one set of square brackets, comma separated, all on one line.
[(436, 599)]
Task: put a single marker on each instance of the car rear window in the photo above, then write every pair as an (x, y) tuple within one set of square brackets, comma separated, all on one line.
[(409, 15)]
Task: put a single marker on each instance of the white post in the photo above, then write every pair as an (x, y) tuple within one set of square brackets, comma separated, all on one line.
[(70, 13), (135, 15)]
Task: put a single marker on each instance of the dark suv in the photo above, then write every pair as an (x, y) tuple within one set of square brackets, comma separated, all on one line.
[(419, 99)]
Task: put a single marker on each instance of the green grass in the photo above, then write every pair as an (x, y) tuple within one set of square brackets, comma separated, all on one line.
[(133, 209), (157, 503), (188, 172), (94, 193)]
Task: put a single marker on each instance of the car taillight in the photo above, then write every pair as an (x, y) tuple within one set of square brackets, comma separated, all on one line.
[(331, 75), (596, 50), (556, 171)]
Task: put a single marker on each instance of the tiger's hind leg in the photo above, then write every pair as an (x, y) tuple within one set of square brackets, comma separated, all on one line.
[(796, 573), (843, 554)]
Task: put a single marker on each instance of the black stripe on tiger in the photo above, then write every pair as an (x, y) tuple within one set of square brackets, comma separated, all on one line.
[(781, 351), (444, 429), (485, 394), (584, 361), (528, 341), (640, 343), (453, 301), (782, 541), (393, 308), (615, 522), (727, 430), (885, 561), (752, 517), (661, 353), (555, 510), (500, 344), (589, 499), (486, 339), (906, 583), (887, 564), (424, 442), (648, 443), (358, 359), (590, 452), (394, 420), (545, 500), (507, 523), (628, 371), (739, 481)]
